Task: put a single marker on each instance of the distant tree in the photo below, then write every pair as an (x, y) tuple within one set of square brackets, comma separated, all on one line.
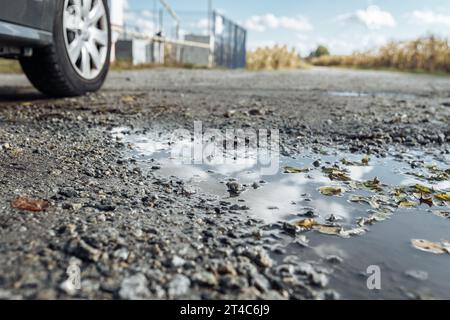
[(319, 52)]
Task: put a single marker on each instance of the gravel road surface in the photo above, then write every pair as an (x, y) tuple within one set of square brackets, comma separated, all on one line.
[(135, 234)]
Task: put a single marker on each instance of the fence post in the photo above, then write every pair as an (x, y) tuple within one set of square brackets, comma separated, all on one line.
[(212, 42)]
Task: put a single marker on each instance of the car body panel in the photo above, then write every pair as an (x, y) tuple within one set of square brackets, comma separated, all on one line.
[(13, 34), (26, 22), (36, 14)]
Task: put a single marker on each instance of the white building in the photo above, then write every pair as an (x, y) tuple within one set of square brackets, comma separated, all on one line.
[(117, 8)]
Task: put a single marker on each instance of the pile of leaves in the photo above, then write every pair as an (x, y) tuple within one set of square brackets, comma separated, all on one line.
[(383, 199)]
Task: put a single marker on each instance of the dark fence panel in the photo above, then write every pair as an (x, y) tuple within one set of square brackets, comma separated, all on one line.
[(229, 43)]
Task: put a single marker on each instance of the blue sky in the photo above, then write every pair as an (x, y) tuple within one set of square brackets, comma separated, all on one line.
[(344, 25)]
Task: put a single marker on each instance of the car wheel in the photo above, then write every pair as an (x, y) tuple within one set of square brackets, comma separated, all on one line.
[(78, 60)]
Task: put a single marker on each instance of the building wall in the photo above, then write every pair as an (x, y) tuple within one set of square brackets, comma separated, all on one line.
[(193, 55)]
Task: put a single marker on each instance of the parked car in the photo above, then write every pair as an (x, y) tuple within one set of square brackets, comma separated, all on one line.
[(63, 45)]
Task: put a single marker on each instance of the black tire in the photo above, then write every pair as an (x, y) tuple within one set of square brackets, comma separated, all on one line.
[(49, 69)]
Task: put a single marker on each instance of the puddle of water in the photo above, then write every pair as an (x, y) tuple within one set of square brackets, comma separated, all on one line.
[(355, 94), (287, 197)]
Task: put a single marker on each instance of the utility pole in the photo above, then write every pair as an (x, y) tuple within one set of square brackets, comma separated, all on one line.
[(155, 16), (209, 17), (211, 23)]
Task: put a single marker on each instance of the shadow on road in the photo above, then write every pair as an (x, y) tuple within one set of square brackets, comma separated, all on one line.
[(19, 94)]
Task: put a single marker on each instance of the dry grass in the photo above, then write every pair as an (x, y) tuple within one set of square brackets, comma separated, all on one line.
[(170, 61), (427, 54), (9, 66), (121, 65), (274, 58)]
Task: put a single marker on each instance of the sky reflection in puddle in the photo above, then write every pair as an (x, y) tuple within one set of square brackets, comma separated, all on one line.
[(286, 197)]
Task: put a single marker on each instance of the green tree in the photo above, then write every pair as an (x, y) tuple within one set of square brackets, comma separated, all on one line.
[(320, 51)]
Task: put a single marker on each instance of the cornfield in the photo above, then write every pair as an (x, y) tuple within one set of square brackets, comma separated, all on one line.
[(429, 54), (274, 58)]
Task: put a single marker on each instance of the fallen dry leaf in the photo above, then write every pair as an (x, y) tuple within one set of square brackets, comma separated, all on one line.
[(331, 191), (432, 247), (339, 231), (306, 223), (443, 196), (27, 204), (427, 200), (128, 99), (443, 214), (339, 176), (408, 204), (372, 201), (374, 185), (423, 189), (365, 160), (330, 230), (295, 170)]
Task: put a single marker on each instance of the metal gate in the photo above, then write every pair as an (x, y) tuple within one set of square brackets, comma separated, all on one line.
[(229, 43)]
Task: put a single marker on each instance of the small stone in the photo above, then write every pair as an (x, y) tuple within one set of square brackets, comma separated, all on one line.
[(333, 218), (177, 262), (236, 207), (206, 279), (83, 250), (134, 288), (334, 259), (319, 279), (305, 268), (105, 207), (68, 193), (263, 260), (260, 282), (301, 241), (255, 112), (178, 286), (317, 163), (234, 188), (417, 274), (121, 254), (290, 228)]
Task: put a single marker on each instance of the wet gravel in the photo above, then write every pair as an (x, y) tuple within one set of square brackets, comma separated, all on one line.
[(136, 235)]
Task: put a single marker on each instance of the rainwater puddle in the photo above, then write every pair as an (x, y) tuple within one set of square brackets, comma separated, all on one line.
[(363, 224), (356, 94)]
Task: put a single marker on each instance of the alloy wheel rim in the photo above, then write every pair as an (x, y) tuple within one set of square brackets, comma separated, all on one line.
[(86, 36)]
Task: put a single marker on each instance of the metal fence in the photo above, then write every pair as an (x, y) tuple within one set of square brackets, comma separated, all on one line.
[(200, 39), (229, 43)]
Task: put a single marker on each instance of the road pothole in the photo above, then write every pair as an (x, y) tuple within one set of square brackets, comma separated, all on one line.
[(364, 210)]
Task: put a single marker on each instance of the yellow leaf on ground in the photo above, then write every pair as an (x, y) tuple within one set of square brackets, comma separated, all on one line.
[(128, 99), (408, 204), (331, 191), (423, 189), (339, 176), (432, 247), (295, 170), (307, 223), (443, 196)]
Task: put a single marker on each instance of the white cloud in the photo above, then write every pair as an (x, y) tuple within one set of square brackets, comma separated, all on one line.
[(270, 21), (429, 17), (201, 24), (372, 18), (140, 21), (342, 44)]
